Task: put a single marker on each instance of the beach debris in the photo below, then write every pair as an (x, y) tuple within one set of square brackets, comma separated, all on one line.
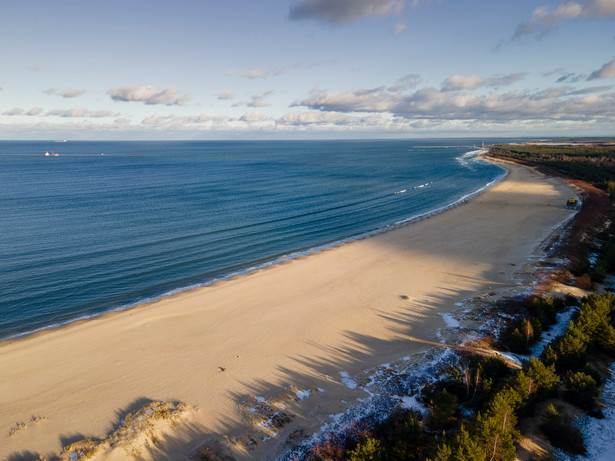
[(404, 297), (221, 369)]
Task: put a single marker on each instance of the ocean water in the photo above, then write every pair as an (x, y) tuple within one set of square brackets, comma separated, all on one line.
[(107, 225)]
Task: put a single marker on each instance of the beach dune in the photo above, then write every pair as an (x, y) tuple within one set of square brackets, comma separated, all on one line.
[(280, 335)]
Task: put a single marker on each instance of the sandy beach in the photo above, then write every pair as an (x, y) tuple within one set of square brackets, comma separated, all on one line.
[(272, 334)]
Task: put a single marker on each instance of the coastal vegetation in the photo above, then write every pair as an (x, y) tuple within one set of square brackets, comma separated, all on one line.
[(475, 410), (594, 163)]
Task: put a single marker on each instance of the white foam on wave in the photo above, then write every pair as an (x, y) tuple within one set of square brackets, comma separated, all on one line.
[(468, 158)]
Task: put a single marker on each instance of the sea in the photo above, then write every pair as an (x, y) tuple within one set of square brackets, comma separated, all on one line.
[(104, 226)]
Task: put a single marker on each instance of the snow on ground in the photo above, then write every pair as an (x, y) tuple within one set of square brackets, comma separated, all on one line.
[(598, 434), (389, 386), (561, 323), (450, 321), (513, 358), (303, 394), (347, 380)]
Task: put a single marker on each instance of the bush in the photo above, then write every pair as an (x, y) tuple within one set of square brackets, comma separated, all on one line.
[(584, 282), (582, 389), (561, 433), (370, 450)]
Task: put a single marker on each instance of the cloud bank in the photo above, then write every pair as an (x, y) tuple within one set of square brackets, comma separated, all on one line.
[(561, 103)]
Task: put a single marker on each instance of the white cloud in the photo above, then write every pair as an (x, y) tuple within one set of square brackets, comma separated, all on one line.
[(257, 101), (462, 82), (70, 93), (253, 117), (226, 95), (149, 95), (545, 19), (341, 11), (14, 111), (80, 112), (470, 82), (19, 111), (430, 103), (608, 70)]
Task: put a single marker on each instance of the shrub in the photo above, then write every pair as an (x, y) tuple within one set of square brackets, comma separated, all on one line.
[(370, 450), (583, 389), (561, 433), (584, 282)]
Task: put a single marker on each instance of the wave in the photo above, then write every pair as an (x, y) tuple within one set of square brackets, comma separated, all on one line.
[(466, 160), (279, 259)]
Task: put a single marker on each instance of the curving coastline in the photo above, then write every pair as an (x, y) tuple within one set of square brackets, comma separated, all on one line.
[(465, 160), (295, 325)]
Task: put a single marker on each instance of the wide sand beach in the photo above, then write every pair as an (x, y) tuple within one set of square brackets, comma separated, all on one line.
[(270, 335)]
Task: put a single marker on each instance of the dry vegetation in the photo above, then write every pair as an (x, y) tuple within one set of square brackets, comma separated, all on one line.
[(135, 430)]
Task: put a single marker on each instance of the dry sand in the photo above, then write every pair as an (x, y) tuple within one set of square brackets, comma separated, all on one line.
[(290, 327)]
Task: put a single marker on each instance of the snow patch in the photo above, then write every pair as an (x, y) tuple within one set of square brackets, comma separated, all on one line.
[(450, 321), (561, 323), (598, 434), (412, 403), (347, 380)]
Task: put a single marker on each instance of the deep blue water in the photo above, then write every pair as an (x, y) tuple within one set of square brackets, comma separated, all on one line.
[(85, 233)]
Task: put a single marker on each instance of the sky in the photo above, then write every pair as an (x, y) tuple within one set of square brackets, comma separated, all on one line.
[(305, 69)]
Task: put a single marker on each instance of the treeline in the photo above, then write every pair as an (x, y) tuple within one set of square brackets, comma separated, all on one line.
[(475, 410), (592, 163)]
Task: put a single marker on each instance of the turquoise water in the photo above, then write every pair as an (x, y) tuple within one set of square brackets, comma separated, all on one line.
[(106, 225)]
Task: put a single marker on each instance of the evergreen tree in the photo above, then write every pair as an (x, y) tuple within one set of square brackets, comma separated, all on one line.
[(543, 376)]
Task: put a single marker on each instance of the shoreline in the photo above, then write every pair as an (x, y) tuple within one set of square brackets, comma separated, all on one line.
[(298, 325), (479, 154)]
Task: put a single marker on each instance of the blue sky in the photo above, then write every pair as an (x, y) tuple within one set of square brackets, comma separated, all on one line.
[(242, 69)]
